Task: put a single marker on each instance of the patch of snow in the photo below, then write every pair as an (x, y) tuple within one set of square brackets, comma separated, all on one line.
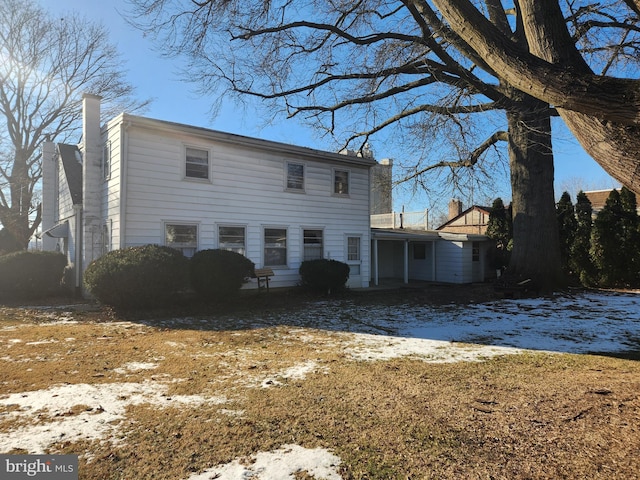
[(296, 372), (369, 347), (135, 367), (105, 405), (280, 464)]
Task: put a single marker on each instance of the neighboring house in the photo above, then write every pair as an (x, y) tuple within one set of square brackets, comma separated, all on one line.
[(473, 220), (404, 249), (137, 181), (599, 197)]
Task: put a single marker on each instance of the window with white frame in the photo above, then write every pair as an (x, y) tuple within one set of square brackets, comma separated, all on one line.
[(353, 255), (232, 238), (181, 237), (341, 182), (313, 244), (197, 163), (475, 252), (106, 160), (295, 176), (275, 247)]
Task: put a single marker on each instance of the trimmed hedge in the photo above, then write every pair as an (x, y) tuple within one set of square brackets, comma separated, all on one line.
[(30, 274), (219, 274), (138, 277), (324, 275)]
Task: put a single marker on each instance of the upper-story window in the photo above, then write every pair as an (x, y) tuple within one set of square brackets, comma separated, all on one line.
[(341, 182), (295, 176), (197, 163)]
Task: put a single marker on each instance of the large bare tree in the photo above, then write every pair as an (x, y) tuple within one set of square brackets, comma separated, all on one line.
[(602, 111), (47, 62), (358, 69)]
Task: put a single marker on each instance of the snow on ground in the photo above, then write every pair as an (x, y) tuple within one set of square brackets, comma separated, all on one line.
[(280, 464), (593, 322), (104, 407)]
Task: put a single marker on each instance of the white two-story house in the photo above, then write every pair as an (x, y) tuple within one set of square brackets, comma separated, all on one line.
[(136, 181)]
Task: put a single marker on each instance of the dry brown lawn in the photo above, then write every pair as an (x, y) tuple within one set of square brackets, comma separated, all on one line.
[(227, 393)]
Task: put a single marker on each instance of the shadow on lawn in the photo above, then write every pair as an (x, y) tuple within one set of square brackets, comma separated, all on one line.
[(584, 322)]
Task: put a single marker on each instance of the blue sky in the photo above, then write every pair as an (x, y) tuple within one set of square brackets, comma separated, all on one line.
[(175, 100)]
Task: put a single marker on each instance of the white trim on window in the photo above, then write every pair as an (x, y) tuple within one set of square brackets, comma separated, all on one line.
[(106, 160)]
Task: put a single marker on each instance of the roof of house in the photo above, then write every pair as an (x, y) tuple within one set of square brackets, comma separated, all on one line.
[(72, 164), (485, 210), (251, 142), (598, 198)]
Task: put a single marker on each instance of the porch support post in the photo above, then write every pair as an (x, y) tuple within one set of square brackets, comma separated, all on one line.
[(375, 261), (406, 261)]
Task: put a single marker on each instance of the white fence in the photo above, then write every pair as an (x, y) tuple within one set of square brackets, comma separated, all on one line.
[(406, 220)]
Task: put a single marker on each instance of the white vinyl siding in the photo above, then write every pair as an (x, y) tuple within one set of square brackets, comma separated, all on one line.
[(246, 190)]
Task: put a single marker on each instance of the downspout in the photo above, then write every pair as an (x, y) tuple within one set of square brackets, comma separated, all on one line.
[(79, 246)]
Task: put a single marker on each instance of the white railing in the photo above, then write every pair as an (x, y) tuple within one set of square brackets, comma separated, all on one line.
[(405, 220)]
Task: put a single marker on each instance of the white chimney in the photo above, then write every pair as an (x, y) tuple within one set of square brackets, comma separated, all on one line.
[(49, 183), (91, 175)]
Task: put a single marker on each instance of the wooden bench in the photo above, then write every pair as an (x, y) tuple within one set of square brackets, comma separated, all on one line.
[(512, 289), (263, 275)]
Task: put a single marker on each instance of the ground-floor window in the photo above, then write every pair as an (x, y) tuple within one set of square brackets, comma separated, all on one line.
[(232, 238), (313, 244), (182, 237), (275, 247)]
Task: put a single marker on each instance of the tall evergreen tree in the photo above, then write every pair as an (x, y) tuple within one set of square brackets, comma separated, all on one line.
[(580, 261), (567, 226), (499, 228), (607, 243), (630, 236)]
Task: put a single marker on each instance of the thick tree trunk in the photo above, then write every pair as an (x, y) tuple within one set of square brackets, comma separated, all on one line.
[(536, 245)]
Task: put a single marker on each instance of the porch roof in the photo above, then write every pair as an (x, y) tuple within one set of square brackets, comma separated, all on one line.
[(424, 235)]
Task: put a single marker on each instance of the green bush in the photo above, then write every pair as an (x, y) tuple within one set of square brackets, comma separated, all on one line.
[(30, 275), (218, 274), (324, 275), (138, 277)]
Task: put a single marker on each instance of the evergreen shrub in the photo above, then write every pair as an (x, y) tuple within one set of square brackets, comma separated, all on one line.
[(219, 274), (324, 275), (30, 274), (138, 277)]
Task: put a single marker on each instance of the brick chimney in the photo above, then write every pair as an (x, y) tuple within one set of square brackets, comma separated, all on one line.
[(455, 208)]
